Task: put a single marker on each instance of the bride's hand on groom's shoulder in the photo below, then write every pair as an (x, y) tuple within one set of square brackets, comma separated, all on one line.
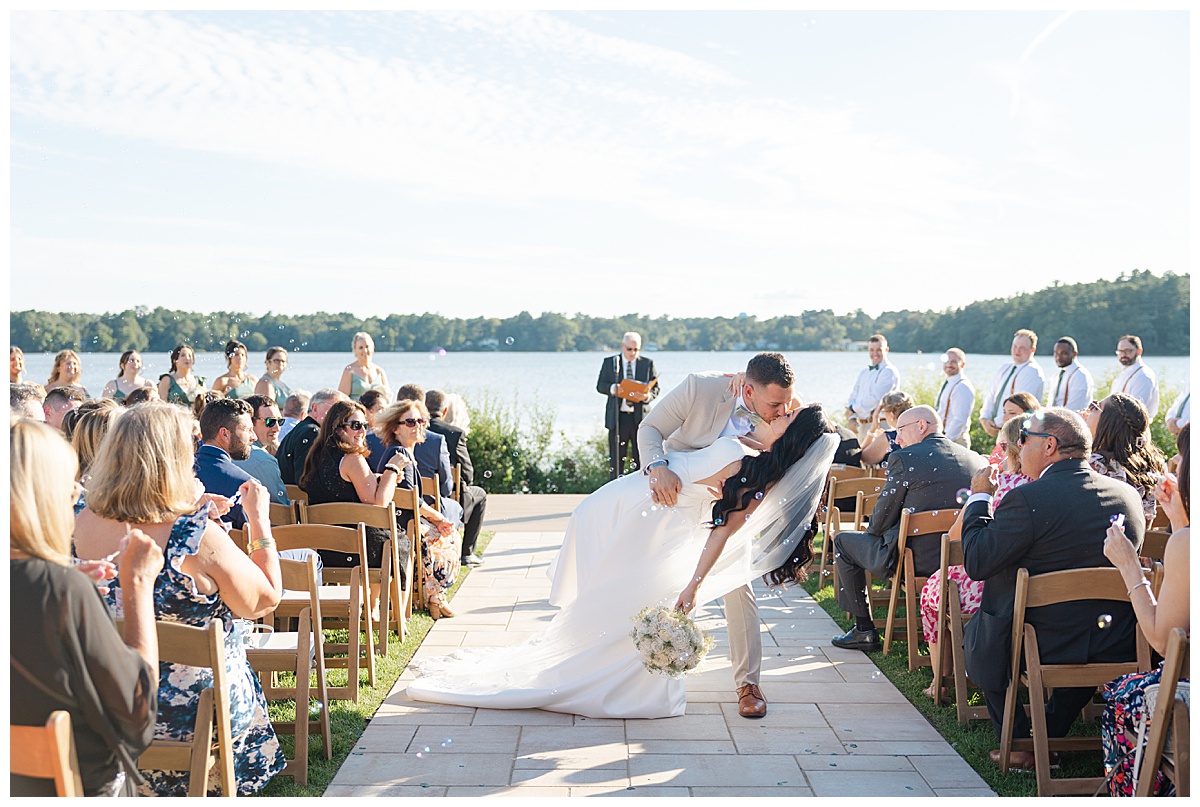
[(736, 380)]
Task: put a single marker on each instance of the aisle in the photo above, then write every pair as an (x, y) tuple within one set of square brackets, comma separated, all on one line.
[(835, 725)]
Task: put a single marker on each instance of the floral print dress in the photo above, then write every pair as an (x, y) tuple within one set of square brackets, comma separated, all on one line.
[(1125, 704), (257, 756), (970, 592)]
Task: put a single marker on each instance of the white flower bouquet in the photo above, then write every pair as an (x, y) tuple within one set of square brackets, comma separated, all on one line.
[(669, 642)]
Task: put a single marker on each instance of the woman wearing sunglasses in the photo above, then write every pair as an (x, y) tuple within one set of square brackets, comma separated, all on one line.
[(336, 471), (401, 426)]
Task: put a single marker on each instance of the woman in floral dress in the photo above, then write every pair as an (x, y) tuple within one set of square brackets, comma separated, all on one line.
[(142, 478)]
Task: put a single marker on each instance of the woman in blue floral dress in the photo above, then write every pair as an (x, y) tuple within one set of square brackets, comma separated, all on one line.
[(142, 477)]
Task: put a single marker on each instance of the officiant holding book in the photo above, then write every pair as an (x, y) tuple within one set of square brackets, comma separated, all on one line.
[(630, 382)]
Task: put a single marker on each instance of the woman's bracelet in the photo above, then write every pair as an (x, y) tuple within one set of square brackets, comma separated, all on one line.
[(261, 543), (1144, 582), (393, 468)]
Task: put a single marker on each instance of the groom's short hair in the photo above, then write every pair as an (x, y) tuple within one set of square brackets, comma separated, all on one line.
[(770, 368)]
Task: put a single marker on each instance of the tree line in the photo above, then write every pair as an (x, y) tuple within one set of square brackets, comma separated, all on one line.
[(1096, 314)]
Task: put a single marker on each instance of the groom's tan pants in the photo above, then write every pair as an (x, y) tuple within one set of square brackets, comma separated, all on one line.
[(745, 642)]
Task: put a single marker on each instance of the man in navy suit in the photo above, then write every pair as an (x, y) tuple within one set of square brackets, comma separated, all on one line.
[(431, 454), (1058, 521), (474, 498)]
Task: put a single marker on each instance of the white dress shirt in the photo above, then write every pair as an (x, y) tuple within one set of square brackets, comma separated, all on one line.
[(1026, 378), (1181, 409), (1139, 381), (1072, 387), (871, 386), (955, 403), (737, 425)]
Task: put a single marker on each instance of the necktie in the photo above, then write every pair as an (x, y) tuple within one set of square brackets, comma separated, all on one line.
[(1000, 396), (629, 369), (743, 412), (1054, 400), (1179, 411)]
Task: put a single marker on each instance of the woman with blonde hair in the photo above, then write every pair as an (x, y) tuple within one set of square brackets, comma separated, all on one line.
[(129, 377), (66, 372), (16, 365), (456, 413), (237, 382), (142, 476), (65, 652), (180, 385), (88, 433), (363, 374), (271, 384)]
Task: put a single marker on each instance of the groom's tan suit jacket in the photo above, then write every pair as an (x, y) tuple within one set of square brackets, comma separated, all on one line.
[(689, 417)]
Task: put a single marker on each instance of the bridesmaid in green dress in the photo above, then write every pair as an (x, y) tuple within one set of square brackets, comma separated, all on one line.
[(271, 384), (180, 385), (129, 377), (363, 374), (237, 383)]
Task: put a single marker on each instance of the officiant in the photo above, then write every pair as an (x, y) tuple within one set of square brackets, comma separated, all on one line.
[(629, 382)]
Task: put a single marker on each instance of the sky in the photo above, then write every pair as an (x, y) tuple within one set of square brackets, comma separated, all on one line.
[(663, 163)]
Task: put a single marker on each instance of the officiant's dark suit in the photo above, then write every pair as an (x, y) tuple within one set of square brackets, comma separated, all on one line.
[(622, 417), (924, 475), (1056, 522)]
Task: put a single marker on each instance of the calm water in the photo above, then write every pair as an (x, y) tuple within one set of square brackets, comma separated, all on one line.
[(566, 382)]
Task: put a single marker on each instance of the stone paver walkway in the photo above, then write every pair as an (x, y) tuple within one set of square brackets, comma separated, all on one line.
[(835, 725)]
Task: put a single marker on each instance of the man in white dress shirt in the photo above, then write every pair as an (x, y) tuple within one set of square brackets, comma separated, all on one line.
[(956, 399), (1180, 413), (1136, 379), (1022, 374), (1073, 387), (878, 379)]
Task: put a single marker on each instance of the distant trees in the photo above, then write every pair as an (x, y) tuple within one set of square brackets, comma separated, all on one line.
[(1096, 314)]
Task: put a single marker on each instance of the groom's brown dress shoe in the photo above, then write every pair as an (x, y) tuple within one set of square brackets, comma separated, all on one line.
[(751, 702)]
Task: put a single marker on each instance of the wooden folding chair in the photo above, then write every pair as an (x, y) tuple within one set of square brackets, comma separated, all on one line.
[(432, 486), (338, 603), (197, 647), (370, 515), (1161, 520), (276, 652), (1154, 546), (1035, 592), (1174, 761), (912, 525), (835, 520), (951, 621), (282, 514), (295, 493), (456, 478), (413, 595), (47, 752)]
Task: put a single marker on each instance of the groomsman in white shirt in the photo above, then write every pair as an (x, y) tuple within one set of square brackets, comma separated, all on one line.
[(878, 379), (1180, 413), (956, 399), (1022, 374), (1074, 387), (1136, 379)]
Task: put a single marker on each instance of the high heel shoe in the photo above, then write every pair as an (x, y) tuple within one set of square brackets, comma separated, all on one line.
[(440, 610)]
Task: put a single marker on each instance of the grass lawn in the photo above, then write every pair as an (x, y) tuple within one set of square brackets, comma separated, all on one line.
[(974, 741), (348, 720)]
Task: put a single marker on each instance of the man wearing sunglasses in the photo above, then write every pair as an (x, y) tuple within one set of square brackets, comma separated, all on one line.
[(261, 464), (623, 416), (1058, 521)]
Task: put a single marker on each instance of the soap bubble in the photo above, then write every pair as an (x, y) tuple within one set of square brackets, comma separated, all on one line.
[(758, 495), (487, 474), (962, 495), (509, 340), (1103, 621)]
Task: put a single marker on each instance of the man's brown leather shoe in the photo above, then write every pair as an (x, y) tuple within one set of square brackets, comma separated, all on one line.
[(751, 702), (1021, 760)]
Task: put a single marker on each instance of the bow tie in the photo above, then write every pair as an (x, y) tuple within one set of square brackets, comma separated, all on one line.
[(743, 412), (872, 366)]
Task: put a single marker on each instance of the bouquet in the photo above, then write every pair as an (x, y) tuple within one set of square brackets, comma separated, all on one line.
[(669, 642)]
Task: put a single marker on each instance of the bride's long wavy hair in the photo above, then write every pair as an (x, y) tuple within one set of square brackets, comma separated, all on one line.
[(758, 473)]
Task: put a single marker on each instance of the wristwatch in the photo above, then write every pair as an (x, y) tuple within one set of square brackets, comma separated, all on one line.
[(654, 465)]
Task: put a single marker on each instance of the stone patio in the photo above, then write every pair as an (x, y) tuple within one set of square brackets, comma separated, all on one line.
[(835, 725)]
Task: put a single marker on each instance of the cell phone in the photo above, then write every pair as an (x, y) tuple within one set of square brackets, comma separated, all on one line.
[(1118, 520)]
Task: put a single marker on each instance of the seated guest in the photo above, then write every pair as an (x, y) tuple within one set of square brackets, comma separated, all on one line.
[(402, 426), (456, 413), (16, 365), (293, 449), (25, 401), (141, 396), (1122, 447), (474, 498), (72, 417), (1020, 406), (67, 372), (129, 377), (261, 464), (143, 476), (1126, 706), (271, 384), (970, 592), (925, 473), (237, 382), (1056, 522), (432, 454), (227, 433), (204, 399), (295, 409), (882, 441), (89, 432), (373, 401), (59, 401), (64, 651)]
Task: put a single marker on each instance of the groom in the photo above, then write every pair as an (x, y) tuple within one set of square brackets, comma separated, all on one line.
[(690, 417)]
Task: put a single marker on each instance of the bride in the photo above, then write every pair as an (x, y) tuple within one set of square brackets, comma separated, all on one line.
[(622, 552)]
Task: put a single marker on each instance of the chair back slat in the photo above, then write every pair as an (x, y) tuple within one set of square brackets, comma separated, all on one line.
[(282, 514), (1154, 546), (849, 488), (382, 516), (1072, 585), (350, 540), (295, 493), (926, 522), (47, 752)]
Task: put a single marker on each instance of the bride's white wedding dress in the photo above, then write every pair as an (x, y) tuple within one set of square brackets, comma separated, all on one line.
[(621, 553)]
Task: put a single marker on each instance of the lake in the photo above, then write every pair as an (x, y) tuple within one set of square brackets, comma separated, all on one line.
[(566, 382)]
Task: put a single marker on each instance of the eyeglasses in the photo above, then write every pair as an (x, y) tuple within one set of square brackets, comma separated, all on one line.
[(355, 425), (271, 423), (631, 349), (1128, 352), (410, 422), (1025, 433), (900, 426)]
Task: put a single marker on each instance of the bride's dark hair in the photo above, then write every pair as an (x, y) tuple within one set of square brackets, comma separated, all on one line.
[(795, 568)]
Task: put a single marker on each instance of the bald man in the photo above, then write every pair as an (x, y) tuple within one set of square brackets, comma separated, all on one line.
[(925, 473)]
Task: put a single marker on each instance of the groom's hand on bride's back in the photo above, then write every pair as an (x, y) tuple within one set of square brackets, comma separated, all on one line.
[(664, 486)]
